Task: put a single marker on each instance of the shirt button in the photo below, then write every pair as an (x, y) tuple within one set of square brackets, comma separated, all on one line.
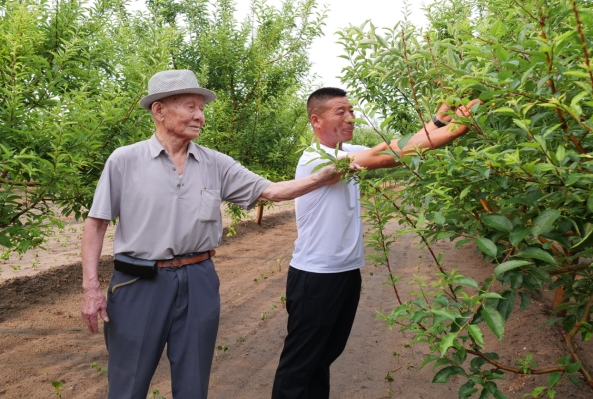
[(173, 168), (179, 185)]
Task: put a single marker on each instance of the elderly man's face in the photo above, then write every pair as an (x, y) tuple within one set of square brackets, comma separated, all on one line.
[(183, 115)]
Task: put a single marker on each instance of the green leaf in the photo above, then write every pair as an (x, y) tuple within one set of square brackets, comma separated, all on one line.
[(518, 234), (404, 140), (462, 242), (536, 253), (554, 378), (429, 359), (586, 237), (499, 395), (540, 274), (476, 334), (439, 218), (465, 191), (498, 222), (494, 320), (444, 313), (525, 301), (447, 342), (510, 265), (573, 367), (468, 281), (490, 295), (544, 221), (486, 246), (445, 374), (505, 306), (467, 390), (560, 153)]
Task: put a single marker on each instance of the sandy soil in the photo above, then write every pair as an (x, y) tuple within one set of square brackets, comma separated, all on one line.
[(42, 338)]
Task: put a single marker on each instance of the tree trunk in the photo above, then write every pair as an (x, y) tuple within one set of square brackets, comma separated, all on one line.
[(260, 214)]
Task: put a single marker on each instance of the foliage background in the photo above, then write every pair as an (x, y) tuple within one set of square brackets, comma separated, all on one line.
[(72, 74), (518, 187)]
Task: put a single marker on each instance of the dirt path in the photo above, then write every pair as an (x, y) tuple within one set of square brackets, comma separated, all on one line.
[(42, 338)]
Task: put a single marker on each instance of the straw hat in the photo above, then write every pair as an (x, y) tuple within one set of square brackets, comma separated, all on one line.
[(169, 83)]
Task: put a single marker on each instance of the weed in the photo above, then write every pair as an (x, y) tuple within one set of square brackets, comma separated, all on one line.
[(272, 307), (156, 395), (279, 263), (17, 267), (388, 377), (58, 387), (240, 339), (283, 300), (264, 316), (223, 347), (97, 366)]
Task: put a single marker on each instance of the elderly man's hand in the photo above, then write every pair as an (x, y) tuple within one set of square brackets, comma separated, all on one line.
[(329, 175), (93, 305)]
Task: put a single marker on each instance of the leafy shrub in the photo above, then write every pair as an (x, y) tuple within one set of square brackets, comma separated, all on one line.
[(518, 186)]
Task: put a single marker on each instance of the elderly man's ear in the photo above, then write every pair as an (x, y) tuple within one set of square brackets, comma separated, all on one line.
[(157, 110)]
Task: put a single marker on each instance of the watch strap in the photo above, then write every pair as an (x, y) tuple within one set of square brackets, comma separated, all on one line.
[(437, 122)]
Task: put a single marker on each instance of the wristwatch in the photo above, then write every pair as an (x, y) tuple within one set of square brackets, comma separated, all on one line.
[(437, 122)]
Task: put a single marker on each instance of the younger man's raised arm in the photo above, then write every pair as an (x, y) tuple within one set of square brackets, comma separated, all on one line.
[(439, 136)]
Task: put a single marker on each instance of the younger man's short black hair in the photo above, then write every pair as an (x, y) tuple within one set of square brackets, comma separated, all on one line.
[(320, 96)]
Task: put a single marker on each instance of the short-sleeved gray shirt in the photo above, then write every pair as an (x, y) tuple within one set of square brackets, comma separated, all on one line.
[(162, 214)]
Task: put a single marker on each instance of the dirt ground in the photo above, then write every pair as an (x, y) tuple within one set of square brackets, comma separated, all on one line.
[(42, 337)]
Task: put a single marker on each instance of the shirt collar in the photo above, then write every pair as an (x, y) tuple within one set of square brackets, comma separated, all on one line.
[(156, 147), (192, 149)]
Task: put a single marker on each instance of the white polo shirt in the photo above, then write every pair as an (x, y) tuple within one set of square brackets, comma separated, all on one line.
[(328, 222)]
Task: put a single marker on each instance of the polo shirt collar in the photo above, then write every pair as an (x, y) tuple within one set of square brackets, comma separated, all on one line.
[(192, 149), (156, 147)]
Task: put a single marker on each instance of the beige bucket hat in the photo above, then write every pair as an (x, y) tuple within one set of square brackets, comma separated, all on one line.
[(169, 83)]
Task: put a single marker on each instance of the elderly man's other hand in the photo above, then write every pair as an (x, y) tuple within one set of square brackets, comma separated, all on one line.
[(93, 305)]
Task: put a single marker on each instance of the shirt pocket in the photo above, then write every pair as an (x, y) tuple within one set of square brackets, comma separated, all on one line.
[(209, 206)]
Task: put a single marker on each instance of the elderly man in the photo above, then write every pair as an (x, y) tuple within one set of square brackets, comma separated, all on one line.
[(166, 192), (323, 284)]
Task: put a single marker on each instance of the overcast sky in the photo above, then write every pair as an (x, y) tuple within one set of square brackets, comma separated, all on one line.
[(325, 51)]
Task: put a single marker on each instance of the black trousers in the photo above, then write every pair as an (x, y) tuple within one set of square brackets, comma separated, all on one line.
[(321, 309)]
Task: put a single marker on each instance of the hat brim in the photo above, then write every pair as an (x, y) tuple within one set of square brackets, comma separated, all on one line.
[(147, 101)]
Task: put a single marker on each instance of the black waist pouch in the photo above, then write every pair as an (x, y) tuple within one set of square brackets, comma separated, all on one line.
[(135, 266)]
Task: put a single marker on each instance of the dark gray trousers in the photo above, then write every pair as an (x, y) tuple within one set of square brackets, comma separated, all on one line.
[(180, 307)]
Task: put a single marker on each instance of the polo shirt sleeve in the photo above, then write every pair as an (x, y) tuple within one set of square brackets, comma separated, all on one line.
[(241, 186), (106, 201)]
